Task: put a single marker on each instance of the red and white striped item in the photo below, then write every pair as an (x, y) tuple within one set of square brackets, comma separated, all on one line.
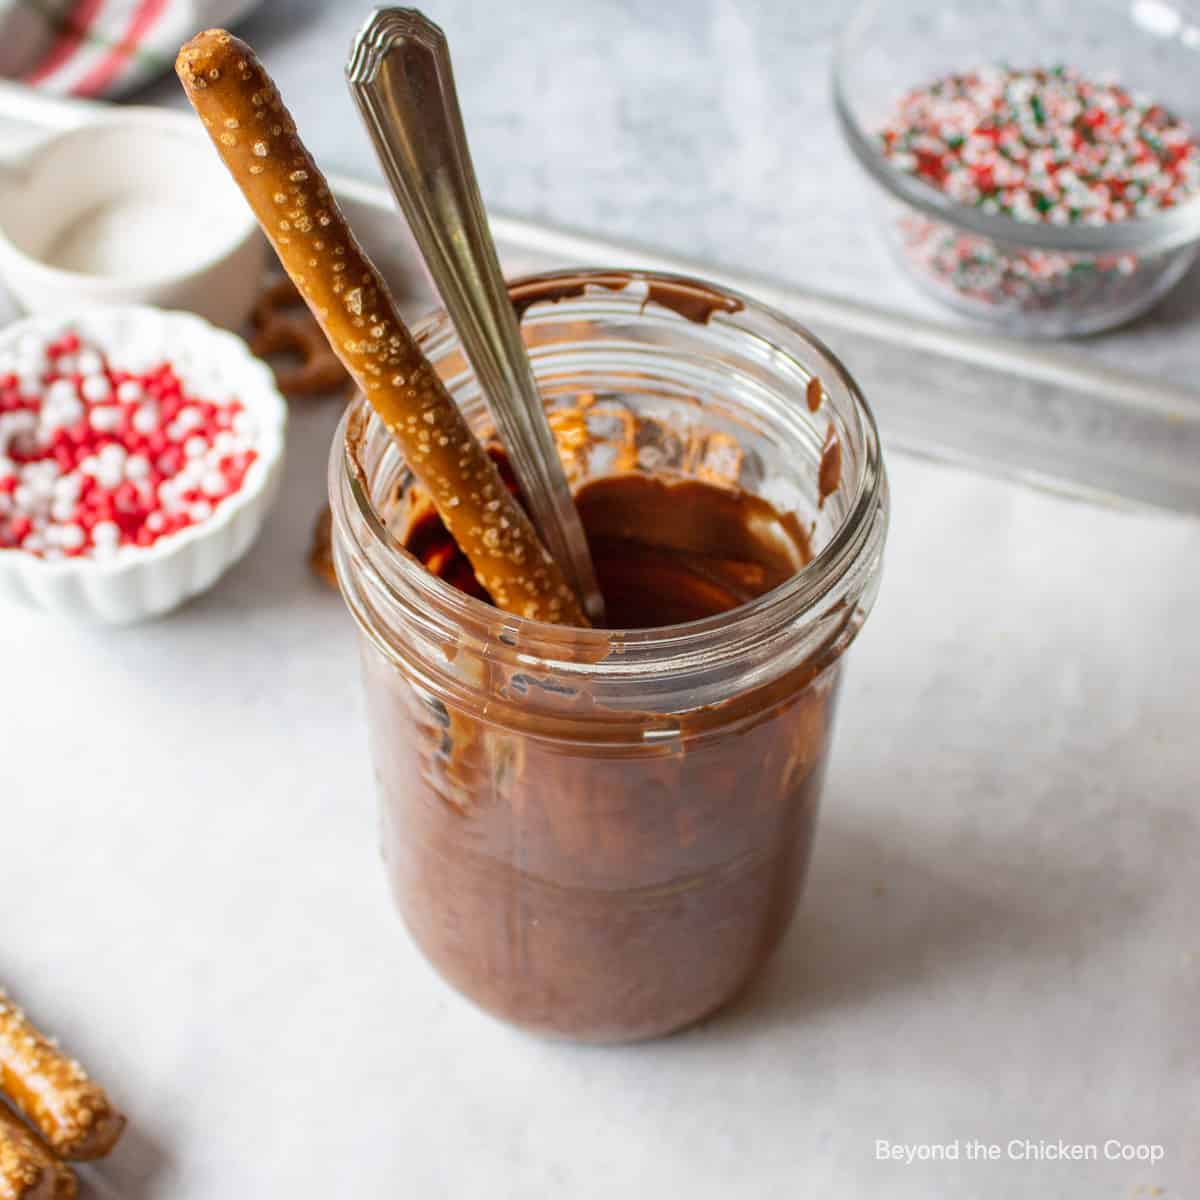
[(101, 47)]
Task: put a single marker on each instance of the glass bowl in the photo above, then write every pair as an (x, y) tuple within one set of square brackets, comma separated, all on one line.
[(1031, 279)]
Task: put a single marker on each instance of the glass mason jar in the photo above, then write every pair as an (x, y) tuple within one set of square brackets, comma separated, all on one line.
[(601, 834)]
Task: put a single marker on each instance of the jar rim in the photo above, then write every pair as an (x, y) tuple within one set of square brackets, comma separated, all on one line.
[(668, 645)]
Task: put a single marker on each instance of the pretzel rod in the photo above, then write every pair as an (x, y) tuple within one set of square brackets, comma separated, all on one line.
[(256, 137), (53, 1092), (28, 1171)]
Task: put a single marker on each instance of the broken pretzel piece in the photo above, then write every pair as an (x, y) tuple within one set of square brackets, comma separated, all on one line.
[(284, 326)]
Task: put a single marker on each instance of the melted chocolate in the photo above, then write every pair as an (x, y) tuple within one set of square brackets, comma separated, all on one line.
[(813, 394), (576, 873), (604, 871), (829, 474), (673, 550), (666, 550), (693, 301), (552, 291)]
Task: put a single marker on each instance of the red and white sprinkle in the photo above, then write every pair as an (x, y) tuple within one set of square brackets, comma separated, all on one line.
[(95, 460)]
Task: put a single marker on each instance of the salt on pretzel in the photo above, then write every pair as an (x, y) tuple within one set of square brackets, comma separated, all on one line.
[(256, 137), (283, 325), (28, 1171), (53, 1092)]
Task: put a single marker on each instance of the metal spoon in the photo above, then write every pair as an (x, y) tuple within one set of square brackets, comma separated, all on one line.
[(400, 76)]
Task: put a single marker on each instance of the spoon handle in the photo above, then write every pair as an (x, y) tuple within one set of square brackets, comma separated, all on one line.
[(400, 76)]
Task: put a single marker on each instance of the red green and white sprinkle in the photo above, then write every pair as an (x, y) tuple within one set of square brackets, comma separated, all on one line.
[(1030, 280), (1044, 146)]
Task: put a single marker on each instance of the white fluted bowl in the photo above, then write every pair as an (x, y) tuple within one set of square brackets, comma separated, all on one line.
[(142, 582)]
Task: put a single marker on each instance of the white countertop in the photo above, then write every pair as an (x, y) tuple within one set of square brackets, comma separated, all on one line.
[(999, 939)]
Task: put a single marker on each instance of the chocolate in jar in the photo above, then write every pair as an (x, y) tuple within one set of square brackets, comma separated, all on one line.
[(621, 890), (585, 855)]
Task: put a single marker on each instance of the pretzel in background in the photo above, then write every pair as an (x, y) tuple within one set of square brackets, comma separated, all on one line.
[(28, 1171), (256, 137), (53, 1092), (284, 326)]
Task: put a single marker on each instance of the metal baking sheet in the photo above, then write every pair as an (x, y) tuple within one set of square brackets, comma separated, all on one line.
[(1042, 414)]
